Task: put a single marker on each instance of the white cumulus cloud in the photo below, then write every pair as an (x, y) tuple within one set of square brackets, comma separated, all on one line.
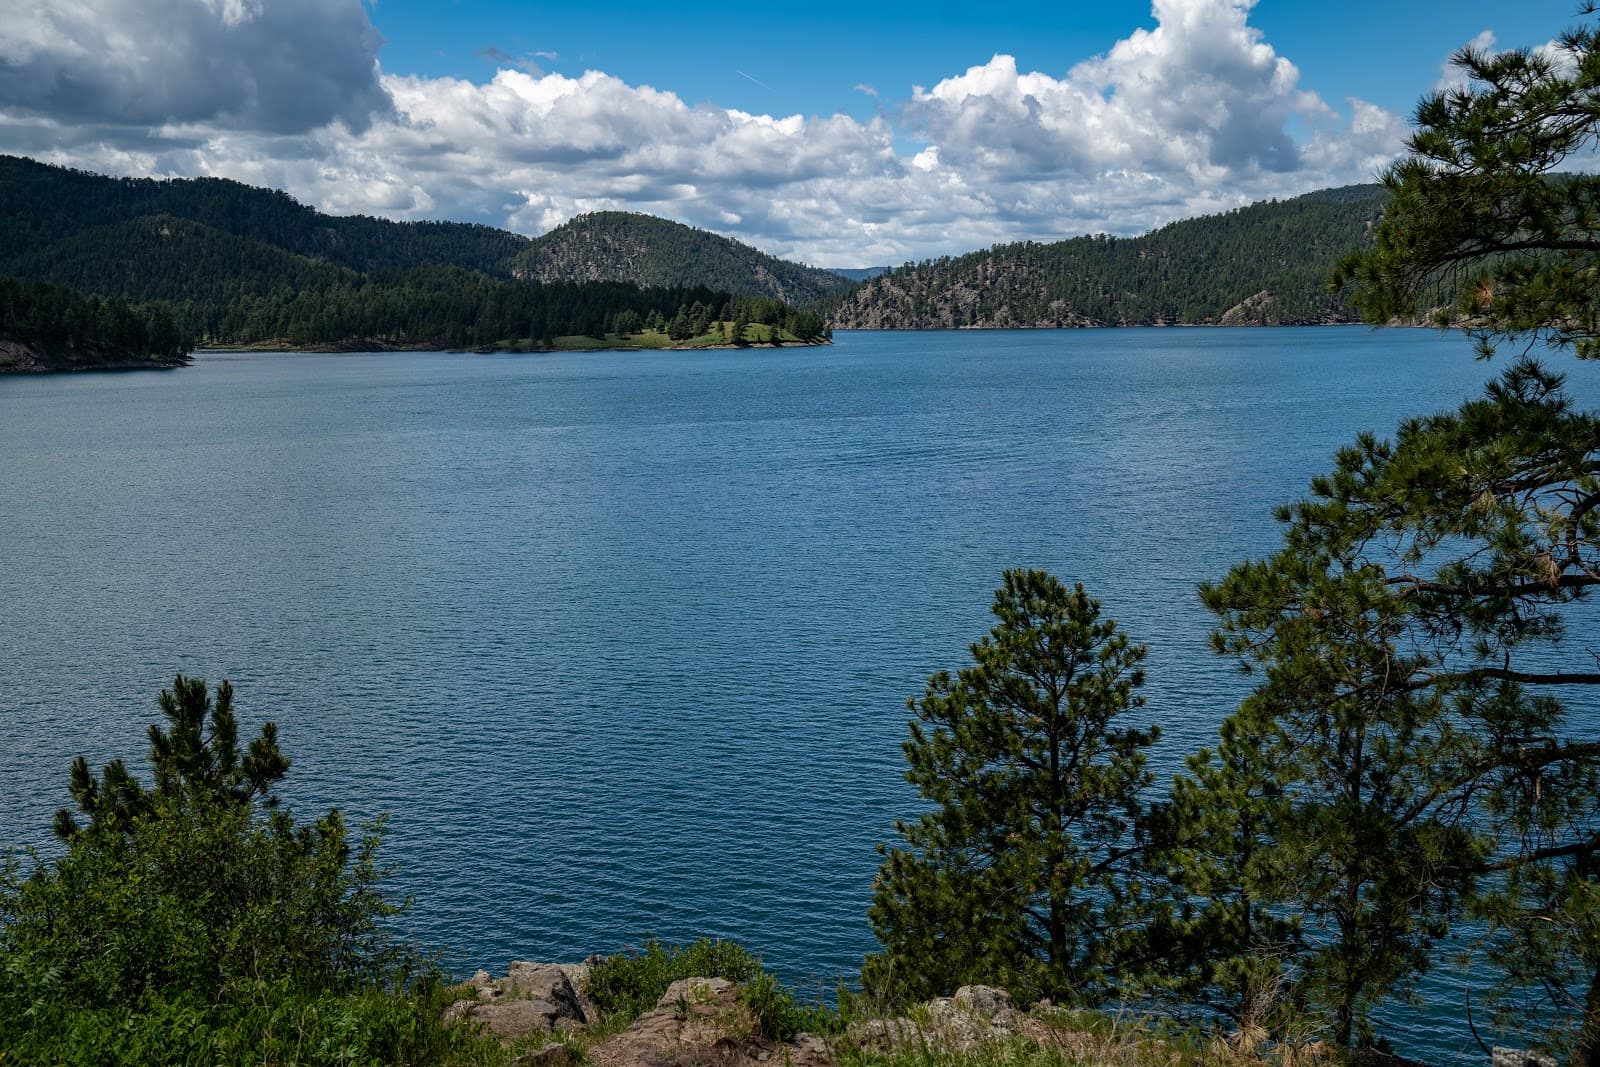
[(284, 66)]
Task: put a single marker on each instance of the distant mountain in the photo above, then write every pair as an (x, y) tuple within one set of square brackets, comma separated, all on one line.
[(858, 274), (1266, 264), (645, 250), (55, 221), (42, 204)]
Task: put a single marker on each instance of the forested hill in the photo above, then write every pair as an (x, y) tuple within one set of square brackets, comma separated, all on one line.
[(645, 250), (58, 225), (1266, 264), (236, 265), (41, 205)]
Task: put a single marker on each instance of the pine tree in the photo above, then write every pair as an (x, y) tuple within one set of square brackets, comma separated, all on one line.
[(1483, 227), (196, 757), (1023, 873)]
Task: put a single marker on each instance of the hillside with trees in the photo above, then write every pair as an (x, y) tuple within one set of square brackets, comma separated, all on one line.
[(41, 205), (147, 238), (237, 265), (645, 250), (47, 328), (1263, 265)]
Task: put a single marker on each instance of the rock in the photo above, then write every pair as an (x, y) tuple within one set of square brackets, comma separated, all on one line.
[(455, 1011), (578, 977), (549, 1056), (702, 1022), (511, 1019), (984, 1000), (1520, 1057), (547, 982), (809, 1045), (693, 991), (887, 1033)]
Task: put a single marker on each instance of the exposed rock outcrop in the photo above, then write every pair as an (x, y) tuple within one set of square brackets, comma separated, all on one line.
[(533, 998), (702, 1021)]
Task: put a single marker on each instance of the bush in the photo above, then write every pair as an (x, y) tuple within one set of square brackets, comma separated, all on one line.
[(629, 985), (623, 987), (195, 921)]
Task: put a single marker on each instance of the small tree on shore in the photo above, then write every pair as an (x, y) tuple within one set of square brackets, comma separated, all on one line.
[(1024, 871)]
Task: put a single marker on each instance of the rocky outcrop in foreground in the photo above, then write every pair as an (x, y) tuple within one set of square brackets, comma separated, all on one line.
[(700, 1022), (696, 1021), (543, 1012)]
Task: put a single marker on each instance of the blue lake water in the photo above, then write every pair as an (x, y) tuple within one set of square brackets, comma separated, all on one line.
[(622, 641)]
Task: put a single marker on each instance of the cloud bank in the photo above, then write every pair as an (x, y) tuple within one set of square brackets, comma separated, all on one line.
[(1196, 114)]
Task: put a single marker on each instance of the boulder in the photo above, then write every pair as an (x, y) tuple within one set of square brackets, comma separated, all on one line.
[(548, 982), (549, 1056), (692, 991), (1520, 1057), (512, 1018), (701, 1022), (986, 1001)]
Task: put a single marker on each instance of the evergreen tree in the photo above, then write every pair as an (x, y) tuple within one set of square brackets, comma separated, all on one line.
[(1477, 531), (1024, 873), (680, 328), (1361, 774), (193, 921), (196, 757), (1213, 838), (1480, 227)]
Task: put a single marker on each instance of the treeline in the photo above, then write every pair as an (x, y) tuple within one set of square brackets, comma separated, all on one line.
[(698, 319), (1265, 264), (67, 325), (454, 308), (100, 233)]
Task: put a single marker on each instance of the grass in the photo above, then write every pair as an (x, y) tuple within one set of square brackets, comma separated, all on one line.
[(627, 986)]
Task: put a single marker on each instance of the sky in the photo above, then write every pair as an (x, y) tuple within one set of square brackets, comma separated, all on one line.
[(837, 133)]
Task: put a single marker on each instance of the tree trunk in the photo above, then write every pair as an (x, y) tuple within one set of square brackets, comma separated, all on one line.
[(1587, 1051)]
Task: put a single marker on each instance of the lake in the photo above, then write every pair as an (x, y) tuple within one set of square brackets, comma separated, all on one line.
[(622, 641)]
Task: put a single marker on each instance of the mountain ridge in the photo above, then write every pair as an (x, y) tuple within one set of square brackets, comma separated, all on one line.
[(46, 211), (1265, 264)]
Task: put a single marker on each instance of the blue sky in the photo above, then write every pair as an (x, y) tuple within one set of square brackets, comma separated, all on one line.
[(812, 55), (843, 134)]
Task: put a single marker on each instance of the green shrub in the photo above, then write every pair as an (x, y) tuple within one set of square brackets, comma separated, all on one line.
[(629, 985), (197, 922), (780, 1014), (623, 987)]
